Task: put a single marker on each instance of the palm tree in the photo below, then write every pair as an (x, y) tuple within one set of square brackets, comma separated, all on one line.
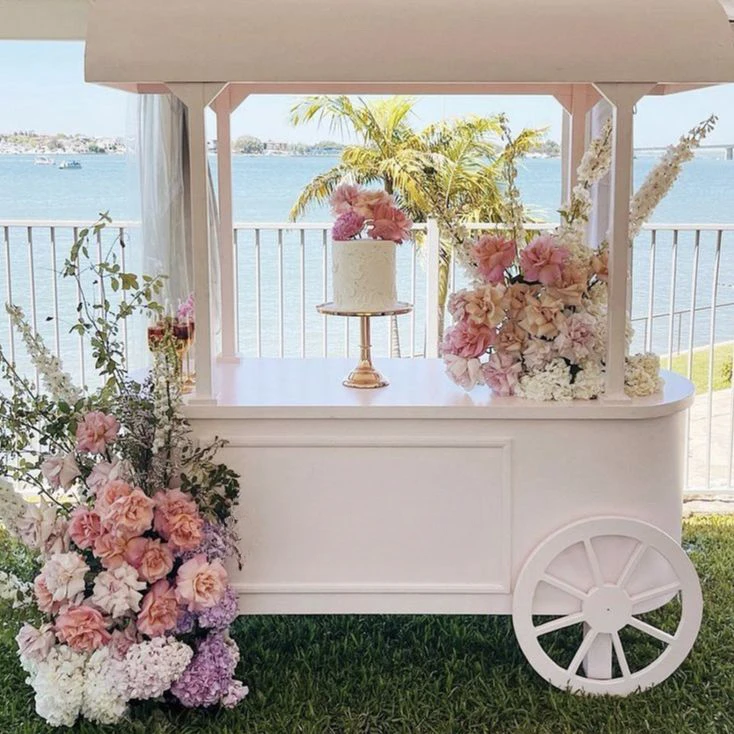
[(452, 170)]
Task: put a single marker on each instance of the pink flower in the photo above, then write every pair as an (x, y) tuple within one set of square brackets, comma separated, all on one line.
[(122, 641), (82, 629), (389, 223), (84, 527), (367, 201), (468, 339), (150, 557), (576, 337), (493, 254), (502, 373), (118, 591), (44, 598), (159, 612), (104, 473), (60, 471), (109, 494), (185, 311), (464, 372), (169, 505), (348, 225), (64, 575), (43, 529), (344, 197), (110, 549), (186, 532), (201, 584), (130, 515), (35, 644), (96, 431), (542, 260)]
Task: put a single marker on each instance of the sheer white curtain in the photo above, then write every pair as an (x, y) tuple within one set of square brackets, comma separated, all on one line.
[(162, 151)]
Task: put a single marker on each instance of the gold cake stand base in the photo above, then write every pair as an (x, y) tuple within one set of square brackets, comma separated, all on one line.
[(364, 376)]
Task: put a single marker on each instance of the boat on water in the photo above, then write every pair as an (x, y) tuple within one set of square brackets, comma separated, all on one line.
[(44, 160), (70, 164)]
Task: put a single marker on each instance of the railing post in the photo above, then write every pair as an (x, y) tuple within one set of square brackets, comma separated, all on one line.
[(433, 246)]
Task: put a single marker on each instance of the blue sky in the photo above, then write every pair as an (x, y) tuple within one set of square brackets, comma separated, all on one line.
[(42, 87)]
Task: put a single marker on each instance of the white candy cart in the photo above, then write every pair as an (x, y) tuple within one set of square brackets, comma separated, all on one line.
[(419, 498)]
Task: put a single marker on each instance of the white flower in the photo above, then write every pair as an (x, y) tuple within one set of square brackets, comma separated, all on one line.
[(64, 574), (152, 666), (34, 645), (641, 375), (12, 589), (551, 383), (118, 591), (466, 373), (60, 471), (103, 473), (105, 696), (538, 353), (42, 528), (12, 507), (589, 381), (59, 685)]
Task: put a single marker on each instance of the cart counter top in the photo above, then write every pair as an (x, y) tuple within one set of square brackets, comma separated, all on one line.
[(419, 388)]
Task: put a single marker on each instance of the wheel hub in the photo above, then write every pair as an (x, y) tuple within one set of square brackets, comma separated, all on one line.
[(607, 609)]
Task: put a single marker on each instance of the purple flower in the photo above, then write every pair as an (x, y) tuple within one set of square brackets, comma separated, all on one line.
[(217, 543), (347, 226), (185, 311), (208, 678), (221, 615), (185, 622)]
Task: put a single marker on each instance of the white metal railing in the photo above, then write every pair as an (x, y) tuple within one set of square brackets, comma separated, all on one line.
[(683, 303)]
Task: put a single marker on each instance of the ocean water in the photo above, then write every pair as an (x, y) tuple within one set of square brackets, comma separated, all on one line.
[(265, 188)]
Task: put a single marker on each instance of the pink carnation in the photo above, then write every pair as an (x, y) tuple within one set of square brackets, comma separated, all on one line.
[(96, 431), (502, 373), (493, 255), (84, 527), (464, 372), (348, 226), (389, 223), (468, 339), (82, 629), (543, 259)]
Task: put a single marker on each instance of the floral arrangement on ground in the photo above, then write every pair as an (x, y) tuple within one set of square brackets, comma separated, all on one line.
[(129, 518), (534, 321)]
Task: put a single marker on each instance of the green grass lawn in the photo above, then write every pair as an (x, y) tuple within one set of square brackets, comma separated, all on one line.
[(424, 675), (700, 367)]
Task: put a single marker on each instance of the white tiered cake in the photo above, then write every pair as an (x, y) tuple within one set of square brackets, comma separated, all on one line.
[(363, 274)]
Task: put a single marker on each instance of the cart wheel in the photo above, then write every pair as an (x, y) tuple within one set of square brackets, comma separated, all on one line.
[(611, 571)]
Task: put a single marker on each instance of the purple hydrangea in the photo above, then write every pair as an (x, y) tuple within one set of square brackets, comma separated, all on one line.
[(347, 226), (217, 543), (185, 622), (221, 615), (208, 678)]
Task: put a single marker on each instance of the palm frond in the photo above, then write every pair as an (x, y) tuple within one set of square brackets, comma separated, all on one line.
[(318, 190)]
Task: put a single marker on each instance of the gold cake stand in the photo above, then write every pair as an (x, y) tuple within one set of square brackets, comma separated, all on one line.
[(364, 375)]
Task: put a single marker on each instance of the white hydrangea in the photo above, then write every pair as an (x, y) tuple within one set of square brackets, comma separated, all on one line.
[(12, 507), (589, 382), (59, 685), (105, 688), (551, 383), (12, 589), (642, 375), (57, 382), (152, 666)]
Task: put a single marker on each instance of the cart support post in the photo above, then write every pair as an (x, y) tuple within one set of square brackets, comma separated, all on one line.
[(623, 97)]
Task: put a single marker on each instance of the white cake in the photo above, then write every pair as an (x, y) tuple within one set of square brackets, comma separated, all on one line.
[(363, 275)]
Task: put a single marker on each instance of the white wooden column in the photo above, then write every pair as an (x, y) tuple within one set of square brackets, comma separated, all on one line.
[(196, 97), (433, 248), (225, 103), (623, 97)]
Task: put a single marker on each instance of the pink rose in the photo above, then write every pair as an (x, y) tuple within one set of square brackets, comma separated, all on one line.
[(60, 471), (84, 527), (109, 494), (201, 584), (344, 197), (35, 644), (543, 259), (186, 532), (130, 515), (159, 612), (169, 505), (82, 629), (110, 549), (44, 598), (502, 373), (493, 254), (367, 201), (96, 431), (152, 559), (347, 226), (389, 223), (468, 339)]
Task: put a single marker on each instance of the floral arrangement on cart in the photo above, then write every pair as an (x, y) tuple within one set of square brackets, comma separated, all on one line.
[(128, 517), (533, 323)]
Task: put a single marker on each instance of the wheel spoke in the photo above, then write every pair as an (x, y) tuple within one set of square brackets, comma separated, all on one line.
[(648, 629), (621, 657), (670, 588), (632, 564), (559, 624), (564, 586), (593, 563), (586, 644)]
